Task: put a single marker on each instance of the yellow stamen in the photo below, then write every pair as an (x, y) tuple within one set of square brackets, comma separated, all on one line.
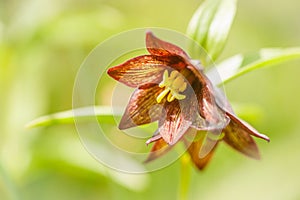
[(170, 97), (173, 84), (160, 97), (182, 87)]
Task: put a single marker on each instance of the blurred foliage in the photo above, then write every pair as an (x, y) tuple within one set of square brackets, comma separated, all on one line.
[(210, 26), (43, 43)]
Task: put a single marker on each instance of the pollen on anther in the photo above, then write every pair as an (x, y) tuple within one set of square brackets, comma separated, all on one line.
[(173, 84)]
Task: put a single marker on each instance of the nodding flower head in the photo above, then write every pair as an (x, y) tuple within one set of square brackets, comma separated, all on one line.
[(172, 89)]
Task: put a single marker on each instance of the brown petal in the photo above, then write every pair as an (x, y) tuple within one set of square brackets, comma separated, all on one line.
[(139, 71), (190, 106), (175, 125), (237, 135), (144, 70), (195, 150), (159, 47), (159, 148), (142, 108), (207, 105), (252, 131)]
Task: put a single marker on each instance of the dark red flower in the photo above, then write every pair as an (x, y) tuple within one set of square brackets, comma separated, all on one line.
[(173, 90)]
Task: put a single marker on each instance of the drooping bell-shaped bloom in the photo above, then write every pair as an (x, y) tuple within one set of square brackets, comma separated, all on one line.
[(172, 89)]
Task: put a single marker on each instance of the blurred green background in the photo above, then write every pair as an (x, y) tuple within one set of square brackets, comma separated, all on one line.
[(42, 45)]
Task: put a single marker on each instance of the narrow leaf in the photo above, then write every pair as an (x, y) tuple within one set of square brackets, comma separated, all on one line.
[(105, 114), (210, 25), (242, 64), (220, 27)]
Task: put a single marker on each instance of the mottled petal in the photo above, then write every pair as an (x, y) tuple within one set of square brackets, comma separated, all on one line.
[(195, 150), (138, 71), (208, 108), (144, 70), (224, 104), (238, 136), (175, 123), (247, 127), (159, 148), (142, 108), (192, 112), (159, 47)]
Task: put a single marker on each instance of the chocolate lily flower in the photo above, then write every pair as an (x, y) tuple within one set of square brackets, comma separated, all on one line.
[(172, 89)]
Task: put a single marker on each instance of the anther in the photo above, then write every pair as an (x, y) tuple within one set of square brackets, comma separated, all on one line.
[(173, 84)]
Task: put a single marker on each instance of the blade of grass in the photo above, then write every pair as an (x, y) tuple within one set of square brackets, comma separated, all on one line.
[(241, 64), (104, 114)]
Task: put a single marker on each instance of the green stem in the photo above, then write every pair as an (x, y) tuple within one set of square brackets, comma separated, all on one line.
[(185, 177)]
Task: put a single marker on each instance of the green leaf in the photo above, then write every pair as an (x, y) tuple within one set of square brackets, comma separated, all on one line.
[(104, 114), (210, 25), (241, 64)]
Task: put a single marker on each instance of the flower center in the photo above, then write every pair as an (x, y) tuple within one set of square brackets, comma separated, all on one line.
[(173, 84)]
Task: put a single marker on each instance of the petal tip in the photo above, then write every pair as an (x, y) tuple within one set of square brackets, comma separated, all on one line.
[(244, 125), (154, 138), (267, 139), (122, 127), (149, 32), (109, 71), (159, 148), (201, 167), (151, 157), (255, 155), (125, 124), (112, 73)]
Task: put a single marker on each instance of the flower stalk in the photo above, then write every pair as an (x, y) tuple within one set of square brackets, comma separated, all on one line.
[(185, 176)]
